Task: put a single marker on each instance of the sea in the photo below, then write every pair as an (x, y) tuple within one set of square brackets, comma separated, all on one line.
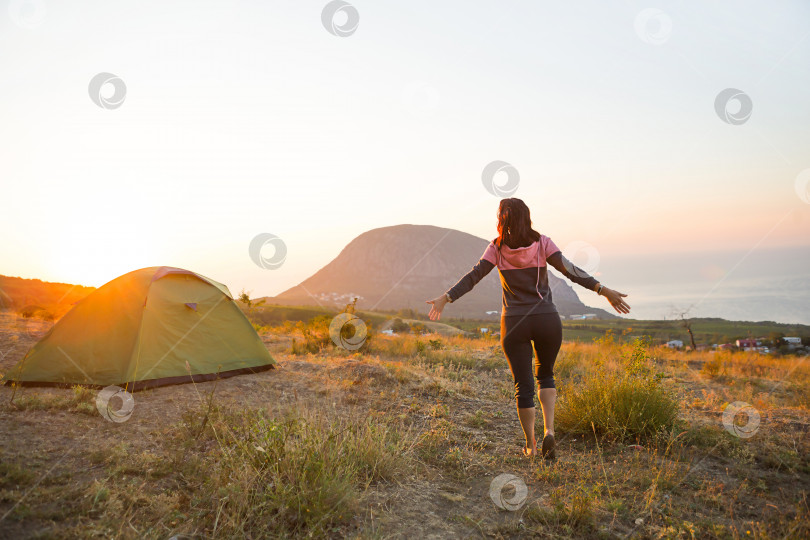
[(764, 284)]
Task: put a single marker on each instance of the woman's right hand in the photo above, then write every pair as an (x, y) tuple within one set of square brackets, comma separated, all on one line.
[(437, 307)]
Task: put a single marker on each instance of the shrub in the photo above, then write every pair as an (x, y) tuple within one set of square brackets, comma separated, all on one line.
[(625, 401), (418, 328), (315, 334), (713, 366), (38, 312), (620, 407)]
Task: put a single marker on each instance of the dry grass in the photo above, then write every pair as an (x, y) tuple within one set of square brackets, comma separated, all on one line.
[(403, 438)]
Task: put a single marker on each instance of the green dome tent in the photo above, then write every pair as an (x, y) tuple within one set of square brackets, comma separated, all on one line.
[(148, 328)]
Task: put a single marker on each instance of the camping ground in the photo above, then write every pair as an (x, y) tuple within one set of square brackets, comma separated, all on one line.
[(403, 438)]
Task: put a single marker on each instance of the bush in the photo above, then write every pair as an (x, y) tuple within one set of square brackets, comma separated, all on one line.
[(315, 335), (619, 407), (714, 366), (625, 400), (418, 328), (29, 312)]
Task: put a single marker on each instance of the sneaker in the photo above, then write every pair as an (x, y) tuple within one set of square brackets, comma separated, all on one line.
[(548, 447)]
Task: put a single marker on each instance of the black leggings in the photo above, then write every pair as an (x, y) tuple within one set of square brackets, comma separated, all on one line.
[(517, 334)]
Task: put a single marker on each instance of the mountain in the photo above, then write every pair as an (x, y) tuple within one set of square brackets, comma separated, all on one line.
[(401, 266)]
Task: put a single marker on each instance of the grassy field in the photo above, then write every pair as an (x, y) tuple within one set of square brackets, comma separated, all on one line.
[(707, 330), (403, 438)]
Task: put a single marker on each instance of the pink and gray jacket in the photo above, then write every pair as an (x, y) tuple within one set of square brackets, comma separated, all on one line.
[(524, 276)]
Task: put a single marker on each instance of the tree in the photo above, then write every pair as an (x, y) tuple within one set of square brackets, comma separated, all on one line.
[(244, 297), (684, 321), (777, 339), (400, 327)]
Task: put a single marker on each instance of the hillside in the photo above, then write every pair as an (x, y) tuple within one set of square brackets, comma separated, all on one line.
[(401, 266), (34, 295)]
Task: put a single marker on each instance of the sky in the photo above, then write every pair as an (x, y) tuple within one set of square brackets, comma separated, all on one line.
[(235, 119)]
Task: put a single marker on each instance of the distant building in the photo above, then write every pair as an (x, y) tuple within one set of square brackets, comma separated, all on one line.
[(748, 344), (484, 330), (492, 312), (726, 346), (589, 316), (674, 344), (793, 340), (388, 332)]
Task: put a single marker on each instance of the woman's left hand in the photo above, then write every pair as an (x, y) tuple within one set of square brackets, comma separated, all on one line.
[(615, 299), (437, 307)]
